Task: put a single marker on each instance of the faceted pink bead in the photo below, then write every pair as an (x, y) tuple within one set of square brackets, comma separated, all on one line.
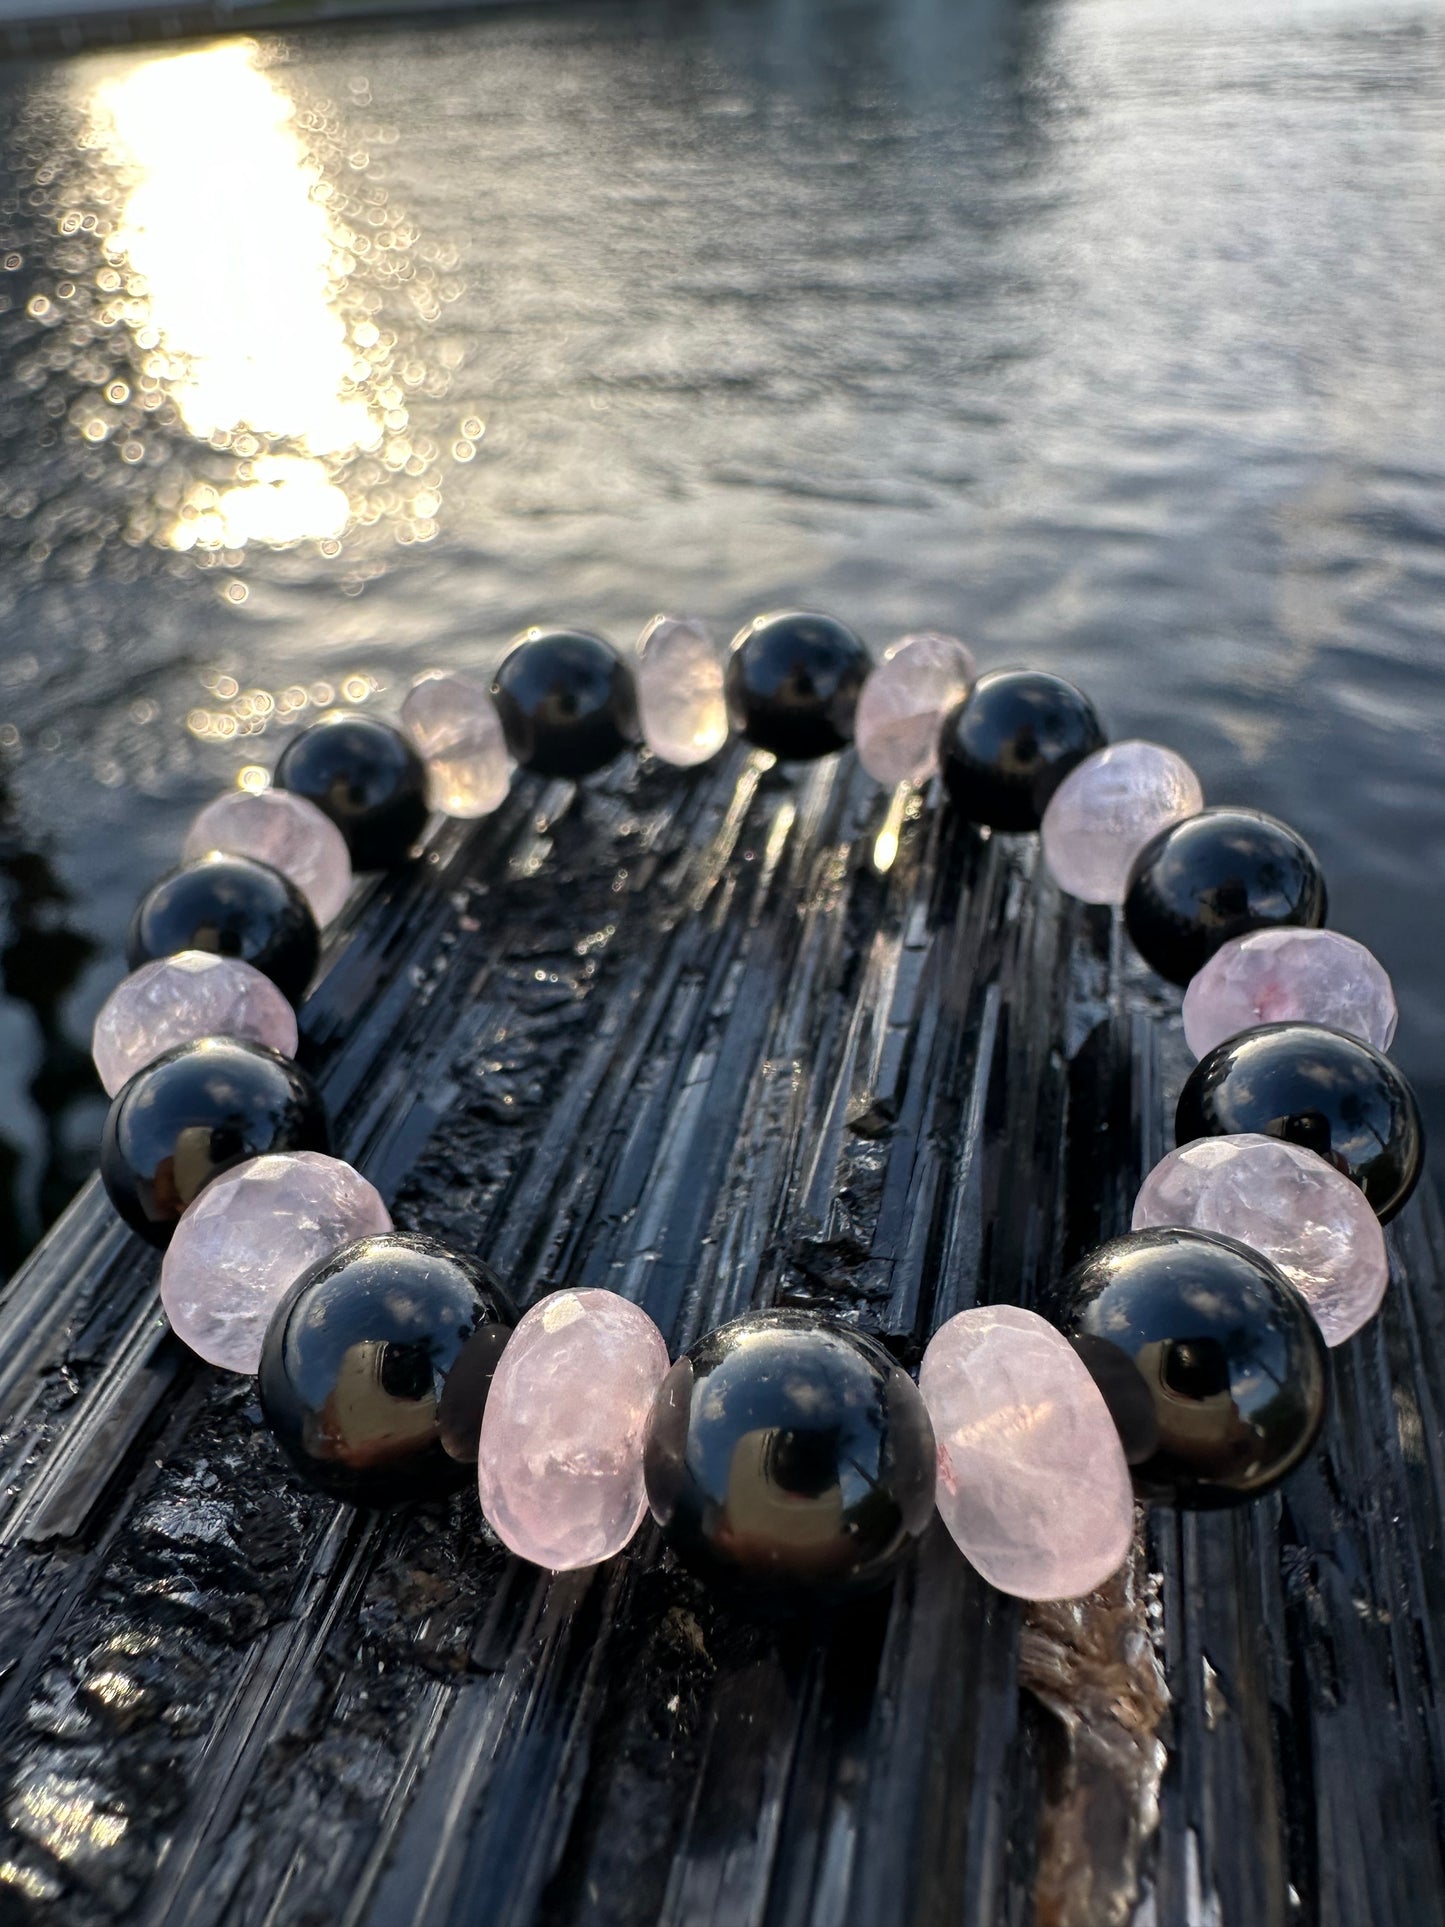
[(175, 1000), (1032, 1480), (1295, 976), (1105, 811), (559, 1466), (286, 831), (248, 1237), (454, 726), (1286, 1202), (903, 704), (680, 701)]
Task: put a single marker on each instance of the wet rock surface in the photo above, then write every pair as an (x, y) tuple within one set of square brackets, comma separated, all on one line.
[(710, 1057)]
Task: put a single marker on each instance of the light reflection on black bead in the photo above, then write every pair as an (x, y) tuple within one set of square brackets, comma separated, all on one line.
[(789, 1461), (1331, 1093), (197, 1111), (234, 907), (792, 682), (367, 778), (1128, 1398), (1231, 1360), (1011, 742), (355, 1366), (1215, 876), (464, 1396), (567, 701)]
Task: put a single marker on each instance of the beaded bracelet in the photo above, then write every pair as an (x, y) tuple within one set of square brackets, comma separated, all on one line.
[(784, 1455)]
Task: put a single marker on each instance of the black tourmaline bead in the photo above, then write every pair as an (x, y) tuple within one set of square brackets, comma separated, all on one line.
[(789, 1461), (194, 1113), (1215, 876), (1231, 1361), (367, 778), (568, 702), (233, 906), (1011, 742), (792, 683), (356, 1362), (1332, 1093), (1130, 1402)]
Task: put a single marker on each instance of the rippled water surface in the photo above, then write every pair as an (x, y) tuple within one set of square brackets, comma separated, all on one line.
[(1107, 333)]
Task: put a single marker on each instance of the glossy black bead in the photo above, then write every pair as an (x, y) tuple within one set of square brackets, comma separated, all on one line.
[(789, 1461), (1011, 742), (792, 683), (194, 1113), (1332, 1093), (1227, 1353), (568, 702), (1130, 1403), (367, 778), (464, 1396), (356, 1362), (1215, 876), (233, 906)]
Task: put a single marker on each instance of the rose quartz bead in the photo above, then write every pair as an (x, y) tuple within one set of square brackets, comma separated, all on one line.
[(1287, 1203), (1032, 1480), (1297, 976), (1105, 811), (175, 1000), (454, 726), (903, 704), (559, 1466), (286, 831), (680, 701), (248, 1237)]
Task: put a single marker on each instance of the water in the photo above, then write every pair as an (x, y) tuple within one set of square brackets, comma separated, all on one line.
[(1107, 333)]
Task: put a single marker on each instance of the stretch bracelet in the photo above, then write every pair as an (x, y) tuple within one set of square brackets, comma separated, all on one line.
[(785, 1455)]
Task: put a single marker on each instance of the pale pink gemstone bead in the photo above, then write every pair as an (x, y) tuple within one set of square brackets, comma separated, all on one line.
[(1105, 811), (1302, 1214), (454, 726), (1032, 1480), (903, 704), (248, 1237), (680, 701), (175, 1000), (559, 1466), (1289, 976), (286, 831)]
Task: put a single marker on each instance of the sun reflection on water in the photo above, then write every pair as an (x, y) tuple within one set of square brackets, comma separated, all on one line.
[(257, 290)]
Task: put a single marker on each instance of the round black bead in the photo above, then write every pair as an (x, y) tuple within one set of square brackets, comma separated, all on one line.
[(356, 1361), (567, 700), (792, 683), (194, 1113), (367, 778), (1011, 742), (233, 906), (1227, 1352), (789, 1461), (1130, 1402), (1332, 1093), (1215, 876)]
